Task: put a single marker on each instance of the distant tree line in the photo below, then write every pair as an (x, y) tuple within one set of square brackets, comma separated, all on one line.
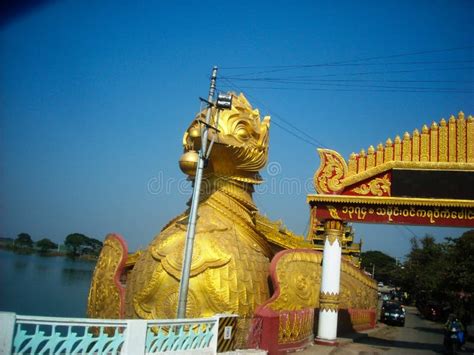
[(75, 244)]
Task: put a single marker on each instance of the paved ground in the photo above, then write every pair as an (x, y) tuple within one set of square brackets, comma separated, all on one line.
[(418, 336)]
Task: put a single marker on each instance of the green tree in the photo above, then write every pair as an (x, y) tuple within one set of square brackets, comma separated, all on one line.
[(384, 265), (425, 270), (23, 240), (45, 244), (460, 263), (81, 244)]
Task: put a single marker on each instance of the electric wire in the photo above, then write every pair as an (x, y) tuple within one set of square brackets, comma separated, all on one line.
[(362, 89), (302, 135), (398, 55)]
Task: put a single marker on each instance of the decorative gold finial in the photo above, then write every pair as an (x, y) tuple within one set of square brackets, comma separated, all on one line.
[(434, 125), (397, 139), (371, 150), (406, 136), (188, 162), (388, 143), (424, 129), (416, 132), (460, 115), (442, 123)]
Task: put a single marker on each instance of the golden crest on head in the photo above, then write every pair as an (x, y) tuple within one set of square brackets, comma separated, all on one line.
[(240, 142)]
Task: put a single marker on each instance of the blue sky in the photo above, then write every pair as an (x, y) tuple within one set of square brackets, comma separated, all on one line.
[(95, 97)]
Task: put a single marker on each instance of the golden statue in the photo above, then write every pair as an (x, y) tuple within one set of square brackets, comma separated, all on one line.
[(230, 261)]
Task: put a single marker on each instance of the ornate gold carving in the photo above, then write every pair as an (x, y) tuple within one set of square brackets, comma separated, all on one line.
[(297, 283), (452, 138), (434, 142), (376, 187), (240, 146), (297, 276), (406, 147), (332, 170), (361, 161), (425, 144), (106, 293), (443, 141), (329, 301), (416, 145), (461, 137), (388, 151), (397, 148), (352, 164), (333, 212), (294, 327), (371, 157), (276, 233), (379, 159), (334, 230), (403, 201), (433, 148), (470, 139)]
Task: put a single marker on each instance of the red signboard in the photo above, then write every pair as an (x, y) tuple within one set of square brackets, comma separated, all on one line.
[(396, 214)]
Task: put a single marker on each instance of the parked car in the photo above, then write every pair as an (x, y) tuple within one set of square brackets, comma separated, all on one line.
[(392, 313)]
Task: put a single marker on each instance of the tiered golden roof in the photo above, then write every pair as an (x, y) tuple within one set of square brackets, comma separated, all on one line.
[(447, 143)]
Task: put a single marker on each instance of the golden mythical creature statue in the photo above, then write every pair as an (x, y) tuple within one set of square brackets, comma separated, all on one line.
[(229, 268)]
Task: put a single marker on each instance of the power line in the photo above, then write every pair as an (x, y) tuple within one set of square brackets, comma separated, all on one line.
[(342, 84), (301, 66), (301, 135), (363, 89), (303, 80), (346, 74)]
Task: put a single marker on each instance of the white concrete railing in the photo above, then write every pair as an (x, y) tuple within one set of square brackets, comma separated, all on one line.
[(52, 335)]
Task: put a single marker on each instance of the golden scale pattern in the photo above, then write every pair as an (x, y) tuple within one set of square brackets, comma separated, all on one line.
[(104, 297)]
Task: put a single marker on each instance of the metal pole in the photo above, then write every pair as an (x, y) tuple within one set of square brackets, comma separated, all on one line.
[(188, 249)]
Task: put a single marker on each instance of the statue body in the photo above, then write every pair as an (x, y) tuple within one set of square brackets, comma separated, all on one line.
[(229, 268)]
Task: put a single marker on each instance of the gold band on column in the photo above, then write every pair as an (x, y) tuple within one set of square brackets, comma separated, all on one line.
[(333, 230), (328, 301)]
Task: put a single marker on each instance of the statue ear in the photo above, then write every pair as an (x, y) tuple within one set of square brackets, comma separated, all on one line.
[(264, 128)]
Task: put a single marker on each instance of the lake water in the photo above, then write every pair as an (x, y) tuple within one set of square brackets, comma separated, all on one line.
[(46, 286)]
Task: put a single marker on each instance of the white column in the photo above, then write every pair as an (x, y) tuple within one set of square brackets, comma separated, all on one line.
[(329, 291), (135, 337), (7, 330)]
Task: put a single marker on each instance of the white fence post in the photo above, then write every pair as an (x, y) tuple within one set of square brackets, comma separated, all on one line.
[(7, 324), (135, 337)]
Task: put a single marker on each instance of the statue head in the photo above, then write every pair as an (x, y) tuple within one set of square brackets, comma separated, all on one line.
[(240, 147)]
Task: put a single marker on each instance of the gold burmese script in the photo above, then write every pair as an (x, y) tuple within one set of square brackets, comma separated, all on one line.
[(431, 214), (230, 261)]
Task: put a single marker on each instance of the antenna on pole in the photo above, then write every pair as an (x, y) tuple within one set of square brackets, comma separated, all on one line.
[(223, 102)]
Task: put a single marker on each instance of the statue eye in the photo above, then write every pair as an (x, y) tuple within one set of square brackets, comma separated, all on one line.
[(242, 134)]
